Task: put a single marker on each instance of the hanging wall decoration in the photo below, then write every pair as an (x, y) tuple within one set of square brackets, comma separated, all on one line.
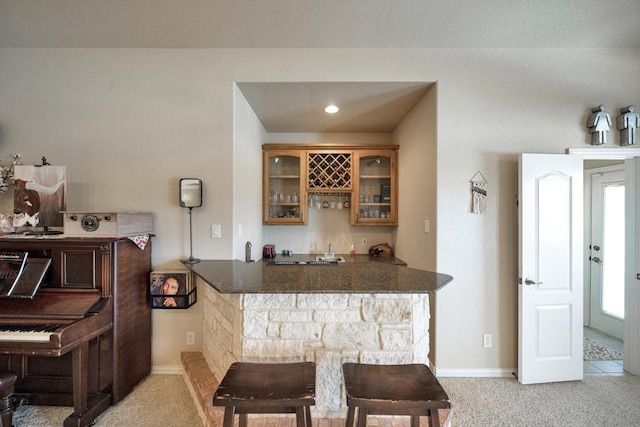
[(479, 193)]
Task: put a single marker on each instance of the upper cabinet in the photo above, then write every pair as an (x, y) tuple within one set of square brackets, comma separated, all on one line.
[(283, 187), (375, 195), (365, 174)]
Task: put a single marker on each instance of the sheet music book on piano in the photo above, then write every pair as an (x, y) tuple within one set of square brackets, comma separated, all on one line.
[(31, 278), (11, 266), (22, 275)]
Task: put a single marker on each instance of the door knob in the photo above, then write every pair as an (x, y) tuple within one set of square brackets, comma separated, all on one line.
[(596, 259), (528, 281)]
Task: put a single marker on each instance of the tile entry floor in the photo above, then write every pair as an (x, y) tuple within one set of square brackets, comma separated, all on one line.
[(603, 367)]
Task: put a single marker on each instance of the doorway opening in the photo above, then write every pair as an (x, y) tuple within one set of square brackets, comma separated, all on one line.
[(604, 267)]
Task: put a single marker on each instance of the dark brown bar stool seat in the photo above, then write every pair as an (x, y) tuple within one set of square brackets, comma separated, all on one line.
[(6, 405), (267, 388), (393, 390)]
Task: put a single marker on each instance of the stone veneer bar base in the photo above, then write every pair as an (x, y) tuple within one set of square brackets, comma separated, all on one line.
[(202, 384), (328, 329)]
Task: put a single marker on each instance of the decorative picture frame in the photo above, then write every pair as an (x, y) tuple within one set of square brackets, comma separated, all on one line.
[(172, 289), (39, 196)]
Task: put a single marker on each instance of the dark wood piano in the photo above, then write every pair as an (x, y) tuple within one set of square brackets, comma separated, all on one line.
[(84, 340)]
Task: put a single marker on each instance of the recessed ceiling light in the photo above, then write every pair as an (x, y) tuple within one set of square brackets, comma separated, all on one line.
[(331, 109)]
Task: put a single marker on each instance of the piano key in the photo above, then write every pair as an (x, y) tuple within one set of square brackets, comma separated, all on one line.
[(26, 332)]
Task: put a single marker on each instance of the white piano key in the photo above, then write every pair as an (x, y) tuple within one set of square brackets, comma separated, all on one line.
[(25, 336)]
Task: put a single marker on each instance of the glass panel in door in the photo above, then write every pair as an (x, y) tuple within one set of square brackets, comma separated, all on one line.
[(607, 252), (375, 189), (284, 190), (613, 251)]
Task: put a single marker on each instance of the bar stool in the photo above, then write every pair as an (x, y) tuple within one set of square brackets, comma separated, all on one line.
[(267, 388), (393, 390), (6, 404)]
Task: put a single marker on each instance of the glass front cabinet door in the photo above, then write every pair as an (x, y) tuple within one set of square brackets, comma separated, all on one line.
[(283, 191), (375, 197)]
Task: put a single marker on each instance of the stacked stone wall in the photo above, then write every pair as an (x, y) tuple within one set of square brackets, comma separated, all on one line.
[(328, 329)]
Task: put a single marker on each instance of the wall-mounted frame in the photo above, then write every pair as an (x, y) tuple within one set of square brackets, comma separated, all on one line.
[(172, 289)]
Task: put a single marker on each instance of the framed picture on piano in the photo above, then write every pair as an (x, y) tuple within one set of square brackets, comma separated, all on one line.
[(172, 289)]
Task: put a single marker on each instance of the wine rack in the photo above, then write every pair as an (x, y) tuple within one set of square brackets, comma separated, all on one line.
[(329, 171)]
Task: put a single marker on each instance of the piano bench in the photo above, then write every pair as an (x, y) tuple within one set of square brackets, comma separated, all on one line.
[(267, 388), (393, 390), (6, 403)]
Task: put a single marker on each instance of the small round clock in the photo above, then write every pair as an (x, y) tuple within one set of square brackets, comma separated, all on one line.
[(90, 223)]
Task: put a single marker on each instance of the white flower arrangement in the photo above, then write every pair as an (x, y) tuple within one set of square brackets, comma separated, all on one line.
[(6, 173)]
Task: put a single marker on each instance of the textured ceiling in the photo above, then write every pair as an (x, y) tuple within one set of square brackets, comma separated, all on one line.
[(320, 23), (297, 107)]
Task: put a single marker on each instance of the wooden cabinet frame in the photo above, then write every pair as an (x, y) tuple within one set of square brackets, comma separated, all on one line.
[(287, 210), (330, 178), (374, 169)]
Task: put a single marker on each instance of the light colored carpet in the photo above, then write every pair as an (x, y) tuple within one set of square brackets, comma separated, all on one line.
[(164, 400), (160, 400), (595, 401), (594, 351)]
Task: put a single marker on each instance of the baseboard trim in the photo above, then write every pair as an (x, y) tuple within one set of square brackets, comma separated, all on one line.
[(461, 373), (168, 370)]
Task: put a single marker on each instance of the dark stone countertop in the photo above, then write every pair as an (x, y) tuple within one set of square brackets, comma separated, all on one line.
[(359, 274)]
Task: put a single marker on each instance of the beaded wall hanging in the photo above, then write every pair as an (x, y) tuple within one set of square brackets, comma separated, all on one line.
[(479, 193)]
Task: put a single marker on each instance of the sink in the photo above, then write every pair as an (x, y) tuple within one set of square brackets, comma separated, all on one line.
[(330, 258)]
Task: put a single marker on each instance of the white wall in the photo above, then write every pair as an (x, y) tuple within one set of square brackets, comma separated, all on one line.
[(504, 102), (128, 123), (417, 136), (248, 134)]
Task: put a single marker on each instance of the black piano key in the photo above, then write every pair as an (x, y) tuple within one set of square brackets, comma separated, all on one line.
[(28, 328)]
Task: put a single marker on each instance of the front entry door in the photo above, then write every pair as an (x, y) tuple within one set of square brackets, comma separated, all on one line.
[(550, 268), (607, 249)]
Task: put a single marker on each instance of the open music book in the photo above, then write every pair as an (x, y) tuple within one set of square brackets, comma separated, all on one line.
[(20, 275)]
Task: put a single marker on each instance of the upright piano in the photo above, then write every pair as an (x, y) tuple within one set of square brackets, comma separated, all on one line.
[(84, 339)]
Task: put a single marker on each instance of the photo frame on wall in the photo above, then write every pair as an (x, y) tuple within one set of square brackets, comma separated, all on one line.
[(172, 289), (39, 196)]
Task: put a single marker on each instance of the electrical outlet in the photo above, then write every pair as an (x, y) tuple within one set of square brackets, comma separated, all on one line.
[(426, 226), (191, 338), (487, 341), (364, 241)]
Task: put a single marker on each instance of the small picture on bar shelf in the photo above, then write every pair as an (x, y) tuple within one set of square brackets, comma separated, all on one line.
[(171, 289)]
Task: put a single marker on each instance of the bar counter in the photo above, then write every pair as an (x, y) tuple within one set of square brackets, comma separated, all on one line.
[(367, 309), (359, 273)]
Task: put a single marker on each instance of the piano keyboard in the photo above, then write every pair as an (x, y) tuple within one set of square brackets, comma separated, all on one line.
[(26, 332)]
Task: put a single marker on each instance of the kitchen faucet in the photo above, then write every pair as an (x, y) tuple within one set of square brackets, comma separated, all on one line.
[(330, 250)]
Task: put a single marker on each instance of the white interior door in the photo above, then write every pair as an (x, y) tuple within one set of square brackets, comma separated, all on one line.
[(631, 348), (550, 268), (607, 252)]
